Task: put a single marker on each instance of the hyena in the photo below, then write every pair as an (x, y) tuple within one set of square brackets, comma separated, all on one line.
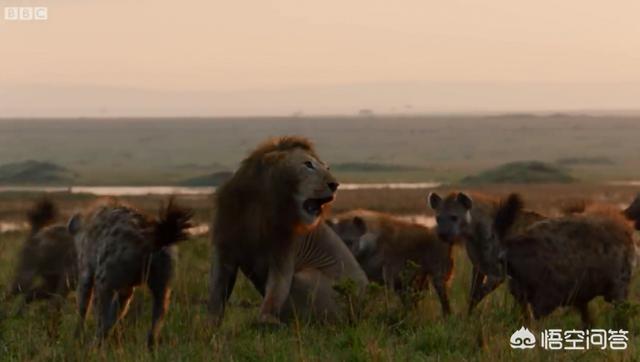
[(47, 263), (384, 245), (120, 248), (568, 261), (461, 219)]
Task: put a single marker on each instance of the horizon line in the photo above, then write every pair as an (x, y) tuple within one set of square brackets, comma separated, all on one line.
[(596, 112)]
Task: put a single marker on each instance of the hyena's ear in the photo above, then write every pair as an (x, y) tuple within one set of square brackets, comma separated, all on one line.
[(74, 224), (360, 225), (465, 200), (434, 200)]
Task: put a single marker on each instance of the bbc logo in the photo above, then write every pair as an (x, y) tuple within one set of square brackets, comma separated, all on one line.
[(22, 13)]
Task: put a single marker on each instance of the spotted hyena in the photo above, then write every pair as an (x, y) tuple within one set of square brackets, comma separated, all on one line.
[(385, 245), (460, 218), (120, 248), (47, 262), (570, 260)]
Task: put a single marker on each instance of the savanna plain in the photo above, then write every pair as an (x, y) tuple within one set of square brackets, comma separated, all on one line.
[(600, 154)]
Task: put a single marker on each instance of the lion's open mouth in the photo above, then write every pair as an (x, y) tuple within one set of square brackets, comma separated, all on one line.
[(313, 207)]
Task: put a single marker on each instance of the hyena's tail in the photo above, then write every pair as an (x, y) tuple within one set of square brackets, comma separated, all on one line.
[(506, 214), (632, 212), (42, 213), (172, 224)]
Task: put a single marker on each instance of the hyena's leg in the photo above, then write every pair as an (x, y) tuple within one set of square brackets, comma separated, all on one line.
[(392, 278), (161, 297), (39, 293), (490, 284), (22, 283), (60, 290), (542, 305), (583, 308), (48, 290), (33, 294), (477, 279), (112, 306), (107, 310), (85, 296), (440, 285), (160, 275), (124, 299), (521, 298)]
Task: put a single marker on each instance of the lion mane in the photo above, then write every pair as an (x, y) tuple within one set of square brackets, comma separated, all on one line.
[(256, 207)]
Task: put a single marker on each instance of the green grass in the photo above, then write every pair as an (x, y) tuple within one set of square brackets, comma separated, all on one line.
[(386, 331)]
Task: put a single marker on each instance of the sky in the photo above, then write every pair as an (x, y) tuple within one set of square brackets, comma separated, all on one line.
[(211, 57)]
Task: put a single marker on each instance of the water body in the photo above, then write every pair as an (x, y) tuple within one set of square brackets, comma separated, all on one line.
[(10, 226), (202, 229), (428, 221), (174, 190), (625, 183), (171, 190)]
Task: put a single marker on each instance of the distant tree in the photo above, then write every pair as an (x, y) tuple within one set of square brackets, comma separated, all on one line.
[(366, 112)]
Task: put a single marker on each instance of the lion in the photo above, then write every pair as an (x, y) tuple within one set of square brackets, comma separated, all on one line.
[(268, 224), (384, 246)]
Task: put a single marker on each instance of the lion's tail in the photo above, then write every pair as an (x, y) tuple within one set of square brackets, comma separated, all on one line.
[(172, 225), (41, 214), (506, 214)]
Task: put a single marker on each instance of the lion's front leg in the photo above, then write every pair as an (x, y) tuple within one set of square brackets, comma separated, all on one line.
[(277, 289), (222, 280)]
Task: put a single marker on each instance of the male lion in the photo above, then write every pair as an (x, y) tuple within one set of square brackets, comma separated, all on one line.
[(268, 224)]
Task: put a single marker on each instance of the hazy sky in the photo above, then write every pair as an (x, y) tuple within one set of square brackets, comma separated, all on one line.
[(271, 45)]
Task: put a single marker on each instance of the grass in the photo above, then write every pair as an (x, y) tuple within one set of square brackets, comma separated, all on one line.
[(384, 333), (383, 329)]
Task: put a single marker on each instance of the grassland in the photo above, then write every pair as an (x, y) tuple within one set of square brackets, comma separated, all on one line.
[(382, 148), (385, 330), (372, 149)]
